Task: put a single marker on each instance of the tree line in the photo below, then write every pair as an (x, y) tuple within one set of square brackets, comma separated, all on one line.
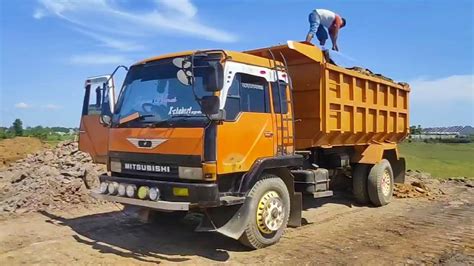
[(40, 132)]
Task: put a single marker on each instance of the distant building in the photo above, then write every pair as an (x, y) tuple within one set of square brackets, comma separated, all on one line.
[(444, 132), (456, 130)]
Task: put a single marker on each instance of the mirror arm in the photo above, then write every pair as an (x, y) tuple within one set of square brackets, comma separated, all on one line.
[(112, 96), (113, 73)]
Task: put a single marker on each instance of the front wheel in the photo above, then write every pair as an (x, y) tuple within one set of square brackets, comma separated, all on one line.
[(269, 212)]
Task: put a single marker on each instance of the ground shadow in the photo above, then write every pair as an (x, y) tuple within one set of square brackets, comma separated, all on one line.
[(123, 234), (340, 197)]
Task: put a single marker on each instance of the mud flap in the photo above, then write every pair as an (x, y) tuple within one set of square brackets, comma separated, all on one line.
[(296, 209), (227, 220), (398, 168), (232, 220)]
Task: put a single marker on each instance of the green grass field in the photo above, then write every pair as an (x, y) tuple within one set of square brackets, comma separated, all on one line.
[(439, 159), (52, 141)]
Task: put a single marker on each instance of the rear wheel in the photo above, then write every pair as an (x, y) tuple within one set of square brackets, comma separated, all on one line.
[(380, 183), (360, 174), (270, 209)]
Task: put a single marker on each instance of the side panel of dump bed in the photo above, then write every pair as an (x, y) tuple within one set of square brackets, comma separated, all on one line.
[(334, 106), (358, 109)]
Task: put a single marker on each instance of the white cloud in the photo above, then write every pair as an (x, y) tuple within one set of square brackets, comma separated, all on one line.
[(112, 42), (442, 101), (97, 59), (443, 90), (114, 26), (39, 14), (184, 7), (22, 105), (52, 107)]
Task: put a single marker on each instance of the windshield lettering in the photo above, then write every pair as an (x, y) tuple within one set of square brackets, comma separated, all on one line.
[(183, 111)]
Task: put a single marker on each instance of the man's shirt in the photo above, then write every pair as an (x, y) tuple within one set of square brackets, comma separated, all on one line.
[(329, 18)]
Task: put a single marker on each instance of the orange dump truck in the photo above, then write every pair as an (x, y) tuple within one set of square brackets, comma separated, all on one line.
[(240, 136)]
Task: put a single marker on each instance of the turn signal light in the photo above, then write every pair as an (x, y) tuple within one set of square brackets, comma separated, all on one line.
[(180, 191)]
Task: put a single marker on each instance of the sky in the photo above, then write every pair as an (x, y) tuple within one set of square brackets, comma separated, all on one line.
[(49, 47)]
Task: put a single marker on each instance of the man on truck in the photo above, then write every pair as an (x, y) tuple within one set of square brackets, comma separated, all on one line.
[(319, 19)]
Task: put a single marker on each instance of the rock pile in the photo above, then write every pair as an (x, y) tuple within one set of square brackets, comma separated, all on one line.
[(49, 179), (418, 185)]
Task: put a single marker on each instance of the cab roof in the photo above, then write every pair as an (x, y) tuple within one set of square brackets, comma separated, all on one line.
[(240, 57)]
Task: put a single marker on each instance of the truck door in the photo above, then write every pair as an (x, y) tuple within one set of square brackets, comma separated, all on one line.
[(247, 134), (93, 136)]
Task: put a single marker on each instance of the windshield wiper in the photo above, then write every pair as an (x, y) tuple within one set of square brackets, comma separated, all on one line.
[(133, 117)]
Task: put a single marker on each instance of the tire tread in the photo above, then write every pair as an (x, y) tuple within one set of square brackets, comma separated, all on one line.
[(249, 237)]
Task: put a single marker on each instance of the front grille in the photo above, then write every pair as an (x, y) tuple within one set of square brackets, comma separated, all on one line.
[(150, 169), (153, 166)]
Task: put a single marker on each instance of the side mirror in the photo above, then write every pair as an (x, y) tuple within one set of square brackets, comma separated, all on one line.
[(214, 77), (210, 105), (220, 116), (105, 120), (111, 94)]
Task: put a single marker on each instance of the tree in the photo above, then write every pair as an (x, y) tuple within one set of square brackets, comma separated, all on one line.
[(18, 127), (3, 133), (416, 130)]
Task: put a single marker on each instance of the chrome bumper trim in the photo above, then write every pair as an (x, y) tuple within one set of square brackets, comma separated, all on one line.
[(157, 205)]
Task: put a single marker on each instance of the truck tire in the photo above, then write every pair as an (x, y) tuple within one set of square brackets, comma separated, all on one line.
[(360, 174), (269, 212), (380, 183)]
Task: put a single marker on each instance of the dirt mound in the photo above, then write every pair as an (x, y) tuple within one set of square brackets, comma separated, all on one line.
[(17, 148), (49, 179), (418, 185)]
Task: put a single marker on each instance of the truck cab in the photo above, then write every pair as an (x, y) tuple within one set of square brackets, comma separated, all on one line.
[(210, 131)]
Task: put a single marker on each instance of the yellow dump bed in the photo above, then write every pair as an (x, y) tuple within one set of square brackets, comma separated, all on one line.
[(334, 106)]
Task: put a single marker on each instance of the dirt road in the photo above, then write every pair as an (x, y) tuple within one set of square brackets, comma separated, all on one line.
[(407, 231)]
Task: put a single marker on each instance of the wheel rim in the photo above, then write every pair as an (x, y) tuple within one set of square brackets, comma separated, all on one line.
[(270, 212), (386, 183)]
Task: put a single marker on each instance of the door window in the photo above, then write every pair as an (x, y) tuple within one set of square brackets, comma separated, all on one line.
[(280, 99), (247, 94), (94, 99)]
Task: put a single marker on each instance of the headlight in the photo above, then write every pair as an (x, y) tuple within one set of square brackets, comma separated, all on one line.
[(190, 172), (143, 192), (115, 166), (103, 187), (122, 189), (112, 188), (154, 193), (131, 191)]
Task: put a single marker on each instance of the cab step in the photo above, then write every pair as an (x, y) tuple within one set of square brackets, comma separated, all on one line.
[(323, 194)]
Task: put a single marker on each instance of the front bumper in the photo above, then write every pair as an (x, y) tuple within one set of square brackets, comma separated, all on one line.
[(200, 195), (156, 205)]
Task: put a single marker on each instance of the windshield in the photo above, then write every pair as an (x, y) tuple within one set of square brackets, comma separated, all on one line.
[(154, 92)]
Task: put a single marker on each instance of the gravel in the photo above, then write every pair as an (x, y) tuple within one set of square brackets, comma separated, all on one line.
[(50, 179)]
